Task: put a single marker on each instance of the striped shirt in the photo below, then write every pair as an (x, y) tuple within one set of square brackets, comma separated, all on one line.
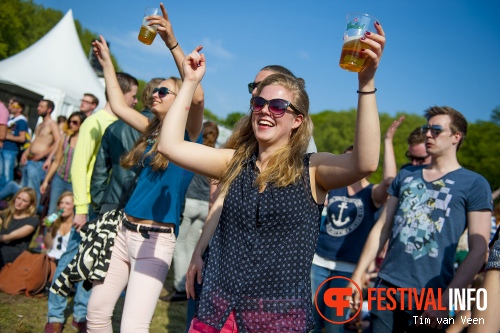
[(64, 169)]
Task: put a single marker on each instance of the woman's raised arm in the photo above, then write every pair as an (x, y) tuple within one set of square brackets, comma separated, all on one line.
[(201, 159), (332, 171), (195, 118), (114, 92)]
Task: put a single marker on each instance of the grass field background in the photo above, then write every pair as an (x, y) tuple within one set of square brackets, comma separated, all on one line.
[(21, 314)]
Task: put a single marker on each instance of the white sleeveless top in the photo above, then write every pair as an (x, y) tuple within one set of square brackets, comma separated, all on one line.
[(59, 245)]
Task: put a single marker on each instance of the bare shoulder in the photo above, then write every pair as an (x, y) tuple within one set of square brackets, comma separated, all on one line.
[(52, 125)]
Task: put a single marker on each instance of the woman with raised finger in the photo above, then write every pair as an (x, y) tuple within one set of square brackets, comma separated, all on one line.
[(257, 275), (144, 245)]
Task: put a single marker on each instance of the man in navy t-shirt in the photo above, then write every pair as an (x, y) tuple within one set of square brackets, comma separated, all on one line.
[(428, 210)]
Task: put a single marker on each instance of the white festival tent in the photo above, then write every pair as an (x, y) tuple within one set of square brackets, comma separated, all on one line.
[(56, 68)]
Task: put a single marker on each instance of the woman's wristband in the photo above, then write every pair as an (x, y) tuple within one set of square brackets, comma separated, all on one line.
[(367, 92), (171, 48)]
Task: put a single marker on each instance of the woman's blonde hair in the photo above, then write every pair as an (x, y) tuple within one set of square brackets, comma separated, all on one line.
[(8, 213), (286, 165), (58, 221), (136, 154)]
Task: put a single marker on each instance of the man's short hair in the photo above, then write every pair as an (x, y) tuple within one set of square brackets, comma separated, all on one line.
[(458, 122), (416, 137), (126, 82), (50, 104), (95, 100)]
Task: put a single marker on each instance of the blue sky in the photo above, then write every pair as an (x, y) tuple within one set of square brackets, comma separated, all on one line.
[(438, 52)]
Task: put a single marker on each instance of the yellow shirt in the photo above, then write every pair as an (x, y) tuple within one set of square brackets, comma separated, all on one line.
[(87, 146)]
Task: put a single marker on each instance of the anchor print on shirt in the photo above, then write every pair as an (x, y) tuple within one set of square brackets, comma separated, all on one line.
[(345, 215)]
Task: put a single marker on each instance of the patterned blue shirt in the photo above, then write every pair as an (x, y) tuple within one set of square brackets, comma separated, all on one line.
[(430, 218)]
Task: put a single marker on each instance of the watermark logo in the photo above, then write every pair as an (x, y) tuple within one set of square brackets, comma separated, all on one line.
[(335, 298), (390, 299)]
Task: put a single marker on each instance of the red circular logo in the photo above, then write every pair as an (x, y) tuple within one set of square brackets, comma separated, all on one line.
[(338, 301)]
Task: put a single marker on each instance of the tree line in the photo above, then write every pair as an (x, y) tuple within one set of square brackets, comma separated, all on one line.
[(22, 23), (334, 131)]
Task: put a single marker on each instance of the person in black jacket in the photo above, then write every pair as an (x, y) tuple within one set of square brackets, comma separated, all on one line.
[(106, 187)]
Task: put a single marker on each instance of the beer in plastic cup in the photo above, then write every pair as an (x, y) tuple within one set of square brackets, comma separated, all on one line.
[(148, 32), (357, 24)]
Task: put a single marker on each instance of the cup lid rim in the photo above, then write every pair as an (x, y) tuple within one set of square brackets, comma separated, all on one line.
[(362, 14)]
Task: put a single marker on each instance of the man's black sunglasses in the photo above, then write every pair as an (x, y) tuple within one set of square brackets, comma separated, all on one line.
[(252, 86), (418, 159)]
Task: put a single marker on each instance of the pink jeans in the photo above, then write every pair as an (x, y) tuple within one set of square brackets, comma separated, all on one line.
[(139, 264), (200, 327)]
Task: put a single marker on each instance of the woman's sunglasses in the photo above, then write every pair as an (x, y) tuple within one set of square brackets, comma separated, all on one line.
[(74, 122), (277, 106), (435, 129), (162, 92)]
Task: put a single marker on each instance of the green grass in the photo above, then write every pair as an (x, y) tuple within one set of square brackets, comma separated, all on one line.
[(21, 314)]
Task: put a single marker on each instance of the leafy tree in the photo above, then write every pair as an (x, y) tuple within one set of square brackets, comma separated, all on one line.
[(142, 84), (233, 118), (210, 115), (480, 151), (495, 115), (23, 23), (334, 131)]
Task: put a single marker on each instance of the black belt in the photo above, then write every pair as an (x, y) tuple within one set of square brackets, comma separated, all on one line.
[(143, 229)]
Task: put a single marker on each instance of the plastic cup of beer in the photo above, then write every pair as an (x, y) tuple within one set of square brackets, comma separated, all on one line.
[(357, 24), (147, 33)]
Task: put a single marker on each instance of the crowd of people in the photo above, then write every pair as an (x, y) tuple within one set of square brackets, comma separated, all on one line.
[(253, 228)]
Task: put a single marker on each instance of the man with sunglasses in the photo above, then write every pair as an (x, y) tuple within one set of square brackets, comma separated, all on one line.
[(417, 152), (428, 210)]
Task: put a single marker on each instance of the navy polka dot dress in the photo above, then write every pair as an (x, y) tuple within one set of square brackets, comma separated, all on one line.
[(260, 256)]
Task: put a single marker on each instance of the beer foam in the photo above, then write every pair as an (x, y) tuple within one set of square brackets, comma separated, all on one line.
[(348, 39)]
